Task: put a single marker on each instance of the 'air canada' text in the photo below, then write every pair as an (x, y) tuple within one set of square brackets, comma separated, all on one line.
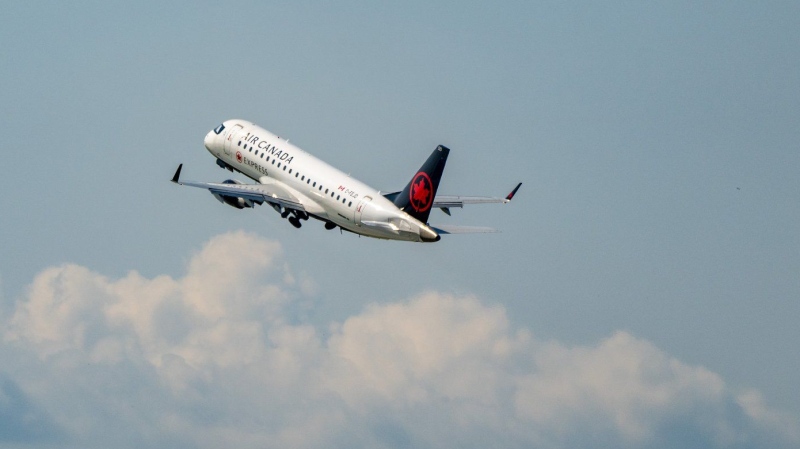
[(272, 150)]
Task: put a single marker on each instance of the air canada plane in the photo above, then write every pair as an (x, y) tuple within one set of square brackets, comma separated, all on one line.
[(298, 186)]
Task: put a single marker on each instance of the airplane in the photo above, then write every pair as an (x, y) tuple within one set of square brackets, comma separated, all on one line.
[(299, 186)]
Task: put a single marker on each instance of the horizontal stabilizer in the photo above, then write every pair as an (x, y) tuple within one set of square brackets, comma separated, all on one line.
[(454, 229)]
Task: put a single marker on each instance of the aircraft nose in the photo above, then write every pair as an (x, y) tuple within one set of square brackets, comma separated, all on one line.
[(209, 140)]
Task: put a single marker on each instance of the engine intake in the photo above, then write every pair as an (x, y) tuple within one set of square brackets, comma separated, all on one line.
[(233, 201)]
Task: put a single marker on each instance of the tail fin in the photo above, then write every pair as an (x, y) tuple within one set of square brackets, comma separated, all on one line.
[(417, 198)]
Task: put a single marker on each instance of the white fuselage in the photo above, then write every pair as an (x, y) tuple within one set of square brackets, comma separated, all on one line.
[(324, 191)]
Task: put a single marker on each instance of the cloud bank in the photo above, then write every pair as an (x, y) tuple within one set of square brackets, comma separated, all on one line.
[(216, 359)]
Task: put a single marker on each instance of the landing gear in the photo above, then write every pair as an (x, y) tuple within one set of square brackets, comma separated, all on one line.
[(293, 215), (329, 225)]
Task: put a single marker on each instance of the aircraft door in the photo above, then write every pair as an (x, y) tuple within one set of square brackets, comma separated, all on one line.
[(360, 209), (231, 138)]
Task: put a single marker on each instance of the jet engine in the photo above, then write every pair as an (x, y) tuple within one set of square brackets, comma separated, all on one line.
[(235, 201)]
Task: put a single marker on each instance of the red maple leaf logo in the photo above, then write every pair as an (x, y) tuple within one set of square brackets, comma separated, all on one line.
[(239, 156), (421, 192)]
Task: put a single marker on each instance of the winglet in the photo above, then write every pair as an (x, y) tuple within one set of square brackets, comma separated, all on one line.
[(177, 174), (513, 192)]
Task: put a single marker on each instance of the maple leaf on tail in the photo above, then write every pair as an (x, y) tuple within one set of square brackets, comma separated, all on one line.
[(421, 193)]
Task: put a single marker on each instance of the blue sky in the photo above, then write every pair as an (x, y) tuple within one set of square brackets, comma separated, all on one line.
[(657, 144)]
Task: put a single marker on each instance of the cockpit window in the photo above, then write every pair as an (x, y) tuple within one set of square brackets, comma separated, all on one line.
[(219, 129)]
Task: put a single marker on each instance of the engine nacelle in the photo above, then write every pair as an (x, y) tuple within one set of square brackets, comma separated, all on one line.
[(234, 201)]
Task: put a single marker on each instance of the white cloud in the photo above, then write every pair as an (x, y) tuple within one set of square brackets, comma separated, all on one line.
[(624, 385), (211, 359), (433, 344)]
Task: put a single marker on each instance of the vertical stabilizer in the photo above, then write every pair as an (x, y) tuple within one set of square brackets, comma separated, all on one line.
[(417, 198)]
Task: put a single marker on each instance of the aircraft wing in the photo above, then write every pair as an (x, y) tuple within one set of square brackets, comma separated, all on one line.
[(271, 193), (445, 202)]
